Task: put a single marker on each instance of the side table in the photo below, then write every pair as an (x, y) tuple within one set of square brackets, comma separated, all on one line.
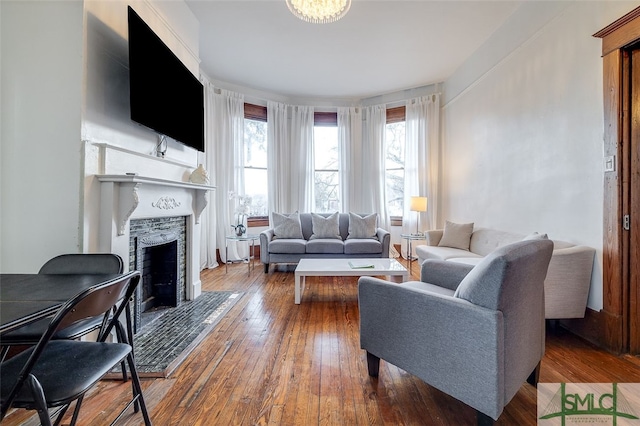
[(251, 239), (409, 238)]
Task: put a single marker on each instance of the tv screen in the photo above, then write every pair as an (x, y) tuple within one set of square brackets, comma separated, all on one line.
[(165, 96)]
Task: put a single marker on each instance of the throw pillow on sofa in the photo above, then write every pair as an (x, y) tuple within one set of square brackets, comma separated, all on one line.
[(325, 227), (286, 226), (535, 236), (456, 235), (362, 227)]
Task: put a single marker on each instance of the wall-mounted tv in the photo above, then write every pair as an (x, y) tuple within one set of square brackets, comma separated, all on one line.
[(165, 96)]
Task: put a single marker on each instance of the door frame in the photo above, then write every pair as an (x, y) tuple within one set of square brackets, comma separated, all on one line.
[(621, 298)]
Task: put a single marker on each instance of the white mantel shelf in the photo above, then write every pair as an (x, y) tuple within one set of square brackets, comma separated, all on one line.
[(129, 199)]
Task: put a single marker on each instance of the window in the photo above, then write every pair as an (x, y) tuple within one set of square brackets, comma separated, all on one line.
[(326, 174), (394, 164), (255, 159)]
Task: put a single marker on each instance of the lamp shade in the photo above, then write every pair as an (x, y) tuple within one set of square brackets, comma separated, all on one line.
[(418, 204)]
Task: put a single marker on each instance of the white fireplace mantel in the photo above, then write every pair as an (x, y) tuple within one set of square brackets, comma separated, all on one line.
[(129, 199), (124, 197)]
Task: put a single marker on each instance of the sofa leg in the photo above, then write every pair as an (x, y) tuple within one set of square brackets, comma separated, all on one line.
[(266, 268), (534, 377), (483, 419), (373, 364)]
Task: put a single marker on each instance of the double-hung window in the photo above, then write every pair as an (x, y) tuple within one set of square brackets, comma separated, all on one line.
[(326, 152), (255, 159), (394, 164)]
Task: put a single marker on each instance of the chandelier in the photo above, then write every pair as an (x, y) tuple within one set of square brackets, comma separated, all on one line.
[(319, 11)]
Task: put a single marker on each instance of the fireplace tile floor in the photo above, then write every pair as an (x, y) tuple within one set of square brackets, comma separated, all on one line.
[(161, 344)]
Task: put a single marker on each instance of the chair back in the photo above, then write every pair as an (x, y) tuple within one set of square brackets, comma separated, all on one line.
[(84, 263), (511, 280), (96, 301)]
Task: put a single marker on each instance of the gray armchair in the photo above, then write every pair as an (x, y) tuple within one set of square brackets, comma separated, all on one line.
[(475, 333)]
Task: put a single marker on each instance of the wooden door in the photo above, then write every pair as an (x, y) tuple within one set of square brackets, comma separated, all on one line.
[(632, 59)]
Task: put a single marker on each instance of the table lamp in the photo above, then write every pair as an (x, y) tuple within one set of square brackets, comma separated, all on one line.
[(418, 204)]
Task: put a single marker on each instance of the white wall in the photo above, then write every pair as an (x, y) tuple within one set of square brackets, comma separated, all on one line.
[(64, 87), (523, 127), (41, 89)]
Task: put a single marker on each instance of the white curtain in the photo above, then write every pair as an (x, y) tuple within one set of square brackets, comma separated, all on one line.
[(374, 155), (302, 159), (278, 163), (224, 154), (350, 146), (422, 151), (290, 157)]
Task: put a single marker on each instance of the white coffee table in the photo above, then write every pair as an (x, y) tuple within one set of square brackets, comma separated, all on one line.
[(341, 268)]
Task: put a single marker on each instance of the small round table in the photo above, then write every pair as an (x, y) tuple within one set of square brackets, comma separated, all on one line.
[(410, 238), (251, 239)]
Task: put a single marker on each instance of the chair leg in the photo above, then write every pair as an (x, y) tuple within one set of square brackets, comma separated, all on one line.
[(266, 268), (483, 419), (38, 397), (76, 411), (373, 364), (3, 354), (534, 377), (138, 389)]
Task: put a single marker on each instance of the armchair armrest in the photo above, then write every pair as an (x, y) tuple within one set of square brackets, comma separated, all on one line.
[(444, 274), (433, 237)]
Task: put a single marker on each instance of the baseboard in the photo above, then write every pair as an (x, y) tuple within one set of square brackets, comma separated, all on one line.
[(591, 328)]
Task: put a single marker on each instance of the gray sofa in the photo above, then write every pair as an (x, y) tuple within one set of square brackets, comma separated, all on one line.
[(568, 279), (475, 333), (291, 250)]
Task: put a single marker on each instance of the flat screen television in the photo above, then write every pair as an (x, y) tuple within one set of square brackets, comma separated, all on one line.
[(165, 96)]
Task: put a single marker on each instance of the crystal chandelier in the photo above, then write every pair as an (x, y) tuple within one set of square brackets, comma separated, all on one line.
[(319, 11)]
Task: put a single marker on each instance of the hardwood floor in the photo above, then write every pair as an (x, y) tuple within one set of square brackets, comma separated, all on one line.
[(271, 362)]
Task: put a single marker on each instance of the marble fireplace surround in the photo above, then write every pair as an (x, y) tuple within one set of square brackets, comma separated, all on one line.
[(130, 196)]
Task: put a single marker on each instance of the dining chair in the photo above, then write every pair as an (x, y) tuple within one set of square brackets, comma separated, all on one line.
[(54, 373), (76, 263)]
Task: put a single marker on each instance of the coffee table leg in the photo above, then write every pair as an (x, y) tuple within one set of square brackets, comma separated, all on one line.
[(297, 290)]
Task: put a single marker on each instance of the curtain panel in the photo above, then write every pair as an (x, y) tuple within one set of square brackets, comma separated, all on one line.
[(421, 167), (290, 157), (224, 155)]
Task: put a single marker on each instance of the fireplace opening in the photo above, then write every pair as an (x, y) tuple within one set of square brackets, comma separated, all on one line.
[(157, 260)]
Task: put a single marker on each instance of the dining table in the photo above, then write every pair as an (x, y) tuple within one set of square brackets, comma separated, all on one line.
[(26, 298)]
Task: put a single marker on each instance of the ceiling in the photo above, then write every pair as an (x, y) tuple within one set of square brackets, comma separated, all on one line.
[(379, 47)]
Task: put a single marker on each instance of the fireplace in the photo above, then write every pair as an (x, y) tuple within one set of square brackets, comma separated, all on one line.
[(157, 250)]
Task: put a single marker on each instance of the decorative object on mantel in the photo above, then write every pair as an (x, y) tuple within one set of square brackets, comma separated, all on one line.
[(242, 210), (319, 11), (199, 176)]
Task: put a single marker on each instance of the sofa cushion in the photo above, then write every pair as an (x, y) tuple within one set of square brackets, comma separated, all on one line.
[(466, 260), (362, 246), (288, 246), (325, 227), (456, 235), (442, 253), (362, 227), (325, 246), (286, 226)]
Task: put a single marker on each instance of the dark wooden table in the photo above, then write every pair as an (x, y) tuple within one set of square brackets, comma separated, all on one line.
[(25, 298)]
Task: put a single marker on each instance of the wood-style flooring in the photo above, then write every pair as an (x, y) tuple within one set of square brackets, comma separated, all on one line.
[(271, 362)]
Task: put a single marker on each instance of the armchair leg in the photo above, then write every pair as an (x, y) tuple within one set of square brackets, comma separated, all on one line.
[(483, 419), (373, 364), (266, 268), (534, 377)]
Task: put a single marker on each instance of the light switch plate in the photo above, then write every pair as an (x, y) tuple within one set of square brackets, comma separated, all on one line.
[(610, 163)]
